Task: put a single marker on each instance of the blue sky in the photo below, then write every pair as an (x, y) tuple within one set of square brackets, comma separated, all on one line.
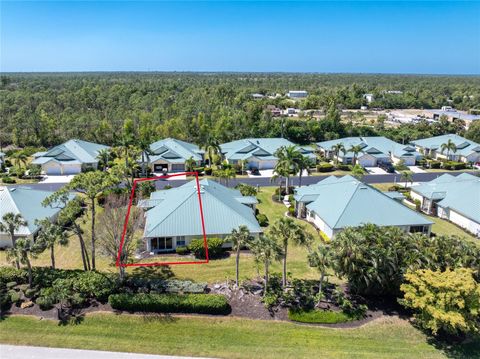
[(379, 37)]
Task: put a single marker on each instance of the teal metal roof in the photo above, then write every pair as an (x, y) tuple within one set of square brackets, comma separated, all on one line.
[(460, 193), (178, 213), (173, 150), (377, 146), (464, 147), (351, 203), (28, 203), (261, 148), (72, 151)]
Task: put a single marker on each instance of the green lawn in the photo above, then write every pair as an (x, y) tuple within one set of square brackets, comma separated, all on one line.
[(226, 337)]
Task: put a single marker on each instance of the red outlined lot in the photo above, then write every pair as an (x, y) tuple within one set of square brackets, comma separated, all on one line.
[(125, 225)]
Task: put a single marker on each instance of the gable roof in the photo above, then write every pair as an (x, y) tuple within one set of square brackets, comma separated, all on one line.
[(262, 148), (27, 202), (72, 151), (347, 202), (377, 146), (177, 211), (173, 150), (460, 193), (464, 147)]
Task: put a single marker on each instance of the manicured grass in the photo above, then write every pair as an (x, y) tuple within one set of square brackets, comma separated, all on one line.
[(226, 337), (319, 316)]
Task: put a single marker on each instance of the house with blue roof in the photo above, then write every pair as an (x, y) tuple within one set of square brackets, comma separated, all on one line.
[(173, 216), (28, 203), (169, 155), (466, 151), (455, 198), (259, 152), (69, 158), (334, 203), (374, 151)]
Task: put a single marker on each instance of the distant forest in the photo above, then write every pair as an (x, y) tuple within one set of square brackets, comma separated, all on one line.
[(47, 109)]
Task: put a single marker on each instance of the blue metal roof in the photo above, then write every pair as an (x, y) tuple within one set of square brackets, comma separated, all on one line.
[(173, 150), (464, 147), (72, 151)]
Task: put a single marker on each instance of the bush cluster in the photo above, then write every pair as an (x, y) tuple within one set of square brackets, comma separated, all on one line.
[(262, 220), (171, 303), (452, 165), (325, 167), (215, 248)]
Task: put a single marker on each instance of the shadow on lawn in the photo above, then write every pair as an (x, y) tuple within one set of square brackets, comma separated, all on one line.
[(469, 348)]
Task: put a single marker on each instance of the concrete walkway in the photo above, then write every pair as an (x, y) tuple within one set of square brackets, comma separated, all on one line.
[(25, 352)]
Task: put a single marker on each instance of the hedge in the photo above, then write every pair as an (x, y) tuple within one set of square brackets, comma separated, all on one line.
[(215, 247), (325, 167), (171, 303), (452, 165)]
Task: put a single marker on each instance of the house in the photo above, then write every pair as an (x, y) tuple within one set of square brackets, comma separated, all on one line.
[(274, 110), (258, 152), (336, 203), (169, 155), (297, 94), (456, 199), (173, 216), (467, 151), (453, 115), (69, 158), (374, 150), (369, 97), (28, 203)]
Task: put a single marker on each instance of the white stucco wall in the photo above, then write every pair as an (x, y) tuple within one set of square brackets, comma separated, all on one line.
[(465, 222)]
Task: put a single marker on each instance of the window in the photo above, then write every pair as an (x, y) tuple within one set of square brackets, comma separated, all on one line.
[(178, 167), (161, 244), (417, 229), (181, 241)]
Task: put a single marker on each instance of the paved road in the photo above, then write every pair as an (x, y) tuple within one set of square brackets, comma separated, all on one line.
[(262, 181), (25, 352)]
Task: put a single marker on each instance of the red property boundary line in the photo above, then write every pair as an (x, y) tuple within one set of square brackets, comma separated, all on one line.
[(125, 225)]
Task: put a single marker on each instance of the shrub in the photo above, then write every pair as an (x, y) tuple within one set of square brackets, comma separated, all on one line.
[(291, 211), (214, 247), (446, 301), (171, 303), (8, 180), (452, 165), (45, 303), (182, 250), (246, 189), (262, 220), (199, 170), (11, 285), (89, 285), (434, 164), (30, 293), (5, 301), (208, 171), (325, 167), (14, 296), (343, 167)]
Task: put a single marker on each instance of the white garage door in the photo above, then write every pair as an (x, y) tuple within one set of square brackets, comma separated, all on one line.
[(52, 169), (253, 164), (71, 169), (267, 165), (367, 161)]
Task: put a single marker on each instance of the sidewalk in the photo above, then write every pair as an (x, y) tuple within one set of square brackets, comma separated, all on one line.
[(25, 352)]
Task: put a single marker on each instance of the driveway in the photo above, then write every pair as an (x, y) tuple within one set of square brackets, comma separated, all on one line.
[(57, 179), (263, 174), (416, 169), (25, 352), (376, 171)]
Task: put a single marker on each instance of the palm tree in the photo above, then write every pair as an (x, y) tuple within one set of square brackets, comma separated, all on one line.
[(355, 149), (339, 147), (320, 259), (448, 146), (103, 157), (212, 150), (144, 146), (278, 177), (25, 249), (190, 164), (20, 159), (50, 235), (288, 158), (407, 176), (304, 164), (266, 249), (10, 224), (287, 230), (228, 174), (239, 237)]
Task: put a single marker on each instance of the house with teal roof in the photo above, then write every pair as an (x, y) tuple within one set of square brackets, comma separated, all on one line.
[(28, 203), (334, 203), (374, 150), (465, 150), (173, 216), (259, 152), (169, 155), (455, 198), (69, 158)]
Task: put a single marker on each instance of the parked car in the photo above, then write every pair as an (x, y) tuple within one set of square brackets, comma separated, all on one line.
[(387, 167)]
